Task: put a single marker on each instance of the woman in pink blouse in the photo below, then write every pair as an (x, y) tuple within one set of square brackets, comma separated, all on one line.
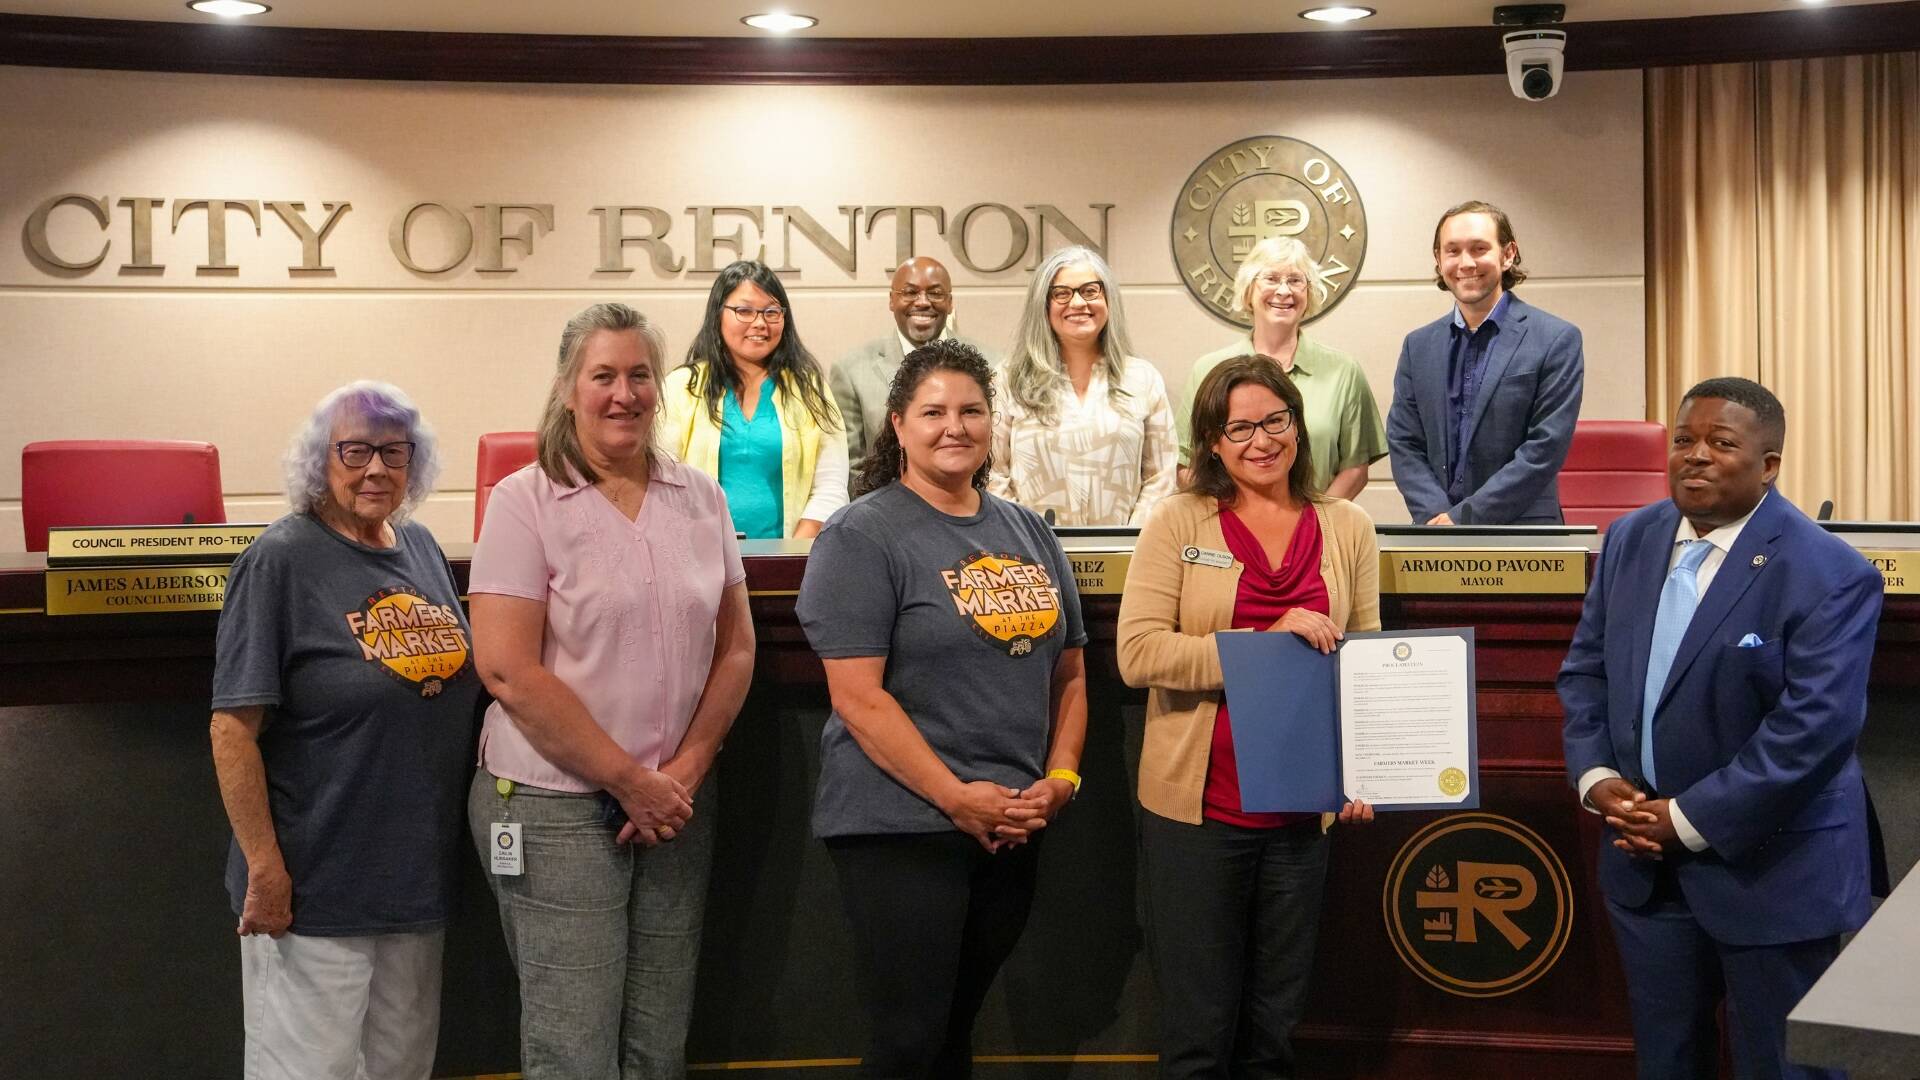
[(610, 623)]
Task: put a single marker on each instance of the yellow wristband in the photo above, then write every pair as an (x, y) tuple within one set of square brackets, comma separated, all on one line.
[(1068, 775)]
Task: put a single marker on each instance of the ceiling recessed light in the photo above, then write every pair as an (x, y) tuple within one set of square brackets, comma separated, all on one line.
[(229, 9), (1341, 14), (780, 22)]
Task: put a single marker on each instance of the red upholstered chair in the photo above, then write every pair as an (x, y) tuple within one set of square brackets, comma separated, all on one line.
[(118, 482), (502, 453), (1613, 467)]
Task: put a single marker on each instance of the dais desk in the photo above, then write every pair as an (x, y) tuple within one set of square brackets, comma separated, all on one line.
[(118, 921)]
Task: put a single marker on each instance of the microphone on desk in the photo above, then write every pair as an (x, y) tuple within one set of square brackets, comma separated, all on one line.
[(1826, 511)]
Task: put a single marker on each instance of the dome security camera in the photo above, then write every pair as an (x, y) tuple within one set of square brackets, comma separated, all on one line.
[(1535, 60)]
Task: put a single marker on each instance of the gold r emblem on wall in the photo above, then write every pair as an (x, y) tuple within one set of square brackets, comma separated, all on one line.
[(1478, 905), (1255, 189)]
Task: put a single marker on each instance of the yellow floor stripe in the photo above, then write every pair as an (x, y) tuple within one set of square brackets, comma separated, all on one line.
[(796, 1063), (850, 1062)]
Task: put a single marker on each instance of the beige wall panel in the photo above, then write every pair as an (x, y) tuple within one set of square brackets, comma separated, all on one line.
[(239, 357)]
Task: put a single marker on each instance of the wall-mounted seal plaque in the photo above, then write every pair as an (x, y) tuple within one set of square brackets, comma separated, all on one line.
[(1262, 187)]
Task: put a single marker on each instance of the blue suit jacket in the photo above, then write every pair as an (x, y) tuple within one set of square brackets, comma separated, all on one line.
[(1520, 425), (1755, 743)]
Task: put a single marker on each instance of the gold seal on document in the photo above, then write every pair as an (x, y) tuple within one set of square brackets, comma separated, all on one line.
[(1478, 905), (1452, 781), (1261, 187)]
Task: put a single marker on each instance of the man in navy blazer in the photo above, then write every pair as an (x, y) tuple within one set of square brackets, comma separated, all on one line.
[(1737, 847), (1485, 397)]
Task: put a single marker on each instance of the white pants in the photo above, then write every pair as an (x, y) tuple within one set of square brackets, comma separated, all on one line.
[(341, 1008)]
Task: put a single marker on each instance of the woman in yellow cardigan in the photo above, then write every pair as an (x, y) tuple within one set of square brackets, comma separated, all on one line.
[(750, 408), (1233, 897)]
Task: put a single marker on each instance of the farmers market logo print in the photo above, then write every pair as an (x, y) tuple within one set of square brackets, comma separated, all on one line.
[(416, 641), (1011, 603), (1478, 905)]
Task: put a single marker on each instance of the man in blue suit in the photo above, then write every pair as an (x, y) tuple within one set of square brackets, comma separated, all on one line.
[(1714, 692), (1484, 398)]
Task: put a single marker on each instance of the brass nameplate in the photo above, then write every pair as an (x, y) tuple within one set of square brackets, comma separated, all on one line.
[(1469, 571), (124, 545), (1102, 573), (130, 590), (1901, 569)]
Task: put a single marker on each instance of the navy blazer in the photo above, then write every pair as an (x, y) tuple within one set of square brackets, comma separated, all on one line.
[(1756, 743), (1520, 424)]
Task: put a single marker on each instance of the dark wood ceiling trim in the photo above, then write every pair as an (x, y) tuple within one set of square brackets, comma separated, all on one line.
[(49, 41)]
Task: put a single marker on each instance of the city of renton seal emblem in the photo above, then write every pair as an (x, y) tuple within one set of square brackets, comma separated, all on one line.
[(1261, 187)]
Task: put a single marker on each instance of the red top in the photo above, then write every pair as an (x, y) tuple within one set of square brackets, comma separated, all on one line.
[(1265, 594)]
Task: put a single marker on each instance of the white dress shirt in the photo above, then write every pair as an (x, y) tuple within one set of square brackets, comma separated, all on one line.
[(1722, 539)]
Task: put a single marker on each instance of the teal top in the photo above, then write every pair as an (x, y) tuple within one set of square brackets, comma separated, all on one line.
[(750, 466)]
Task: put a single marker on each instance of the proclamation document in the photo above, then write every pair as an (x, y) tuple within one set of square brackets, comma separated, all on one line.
[(1407, 731)]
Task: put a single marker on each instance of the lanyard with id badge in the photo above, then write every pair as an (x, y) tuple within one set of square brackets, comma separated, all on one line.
[(503, 842), (505, 847)]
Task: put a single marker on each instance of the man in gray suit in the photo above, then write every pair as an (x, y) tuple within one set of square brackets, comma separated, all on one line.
[(921, 299), (1485, 397)]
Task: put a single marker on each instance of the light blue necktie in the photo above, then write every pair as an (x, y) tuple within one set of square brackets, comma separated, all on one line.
[(1678, 597)]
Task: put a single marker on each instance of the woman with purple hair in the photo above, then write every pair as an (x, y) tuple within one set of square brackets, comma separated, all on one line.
[(343, 713)]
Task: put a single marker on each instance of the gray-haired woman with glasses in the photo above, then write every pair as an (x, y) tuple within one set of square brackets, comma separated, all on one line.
[(343, 716), (750, 408), (1082, 427), (1233, 896)]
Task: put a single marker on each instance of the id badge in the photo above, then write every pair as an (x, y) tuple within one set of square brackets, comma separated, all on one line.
[(1200, 556), (507, 861)]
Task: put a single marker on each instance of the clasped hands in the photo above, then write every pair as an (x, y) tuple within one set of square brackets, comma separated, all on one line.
[(1644, 825), (658, 803), (1002, 817)]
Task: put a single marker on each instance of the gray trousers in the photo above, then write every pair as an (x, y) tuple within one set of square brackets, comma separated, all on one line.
[(605, 937)]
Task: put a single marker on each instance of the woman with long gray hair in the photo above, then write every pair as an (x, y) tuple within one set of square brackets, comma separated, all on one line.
[(343, 700), (611, 626), (1084, 428)]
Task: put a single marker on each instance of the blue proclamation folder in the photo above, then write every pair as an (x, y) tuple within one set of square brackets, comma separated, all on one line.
[(1285, 700)]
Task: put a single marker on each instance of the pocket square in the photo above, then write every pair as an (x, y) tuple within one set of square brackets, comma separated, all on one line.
[(1751, 641)]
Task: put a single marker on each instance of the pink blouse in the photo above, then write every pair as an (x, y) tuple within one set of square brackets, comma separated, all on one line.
[(632, 606)]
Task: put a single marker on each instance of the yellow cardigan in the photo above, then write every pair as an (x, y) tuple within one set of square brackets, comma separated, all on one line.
[(1171, 610), (686, 430)]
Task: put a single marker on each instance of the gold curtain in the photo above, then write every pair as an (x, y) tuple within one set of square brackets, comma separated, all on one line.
[(1783, 202)]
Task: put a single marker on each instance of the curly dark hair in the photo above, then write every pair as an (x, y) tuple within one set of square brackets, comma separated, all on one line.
[(1207, 475), (885, 461)]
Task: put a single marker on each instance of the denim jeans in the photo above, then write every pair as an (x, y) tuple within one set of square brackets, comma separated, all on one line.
[(605, 937)]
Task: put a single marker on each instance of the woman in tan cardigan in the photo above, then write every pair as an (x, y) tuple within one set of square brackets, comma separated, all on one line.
[(1233, 897)]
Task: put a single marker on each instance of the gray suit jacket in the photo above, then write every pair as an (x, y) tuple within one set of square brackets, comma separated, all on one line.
[(860, 380), (1518, 430)]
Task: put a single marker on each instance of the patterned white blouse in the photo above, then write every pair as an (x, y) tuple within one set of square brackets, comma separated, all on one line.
[(1095, 463)]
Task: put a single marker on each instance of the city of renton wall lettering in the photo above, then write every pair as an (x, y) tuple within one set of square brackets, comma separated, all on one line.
[(74, 233)]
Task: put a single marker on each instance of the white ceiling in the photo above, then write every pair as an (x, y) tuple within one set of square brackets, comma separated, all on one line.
[(880, 18)]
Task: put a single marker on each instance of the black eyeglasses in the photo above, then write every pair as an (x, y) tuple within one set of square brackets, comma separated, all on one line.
[(1060, 295), (358, 455), (774, 314), (1275, 425), (935, 295)]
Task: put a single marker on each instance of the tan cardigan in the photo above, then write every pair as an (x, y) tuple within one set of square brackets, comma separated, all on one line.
[(1170, 611)]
